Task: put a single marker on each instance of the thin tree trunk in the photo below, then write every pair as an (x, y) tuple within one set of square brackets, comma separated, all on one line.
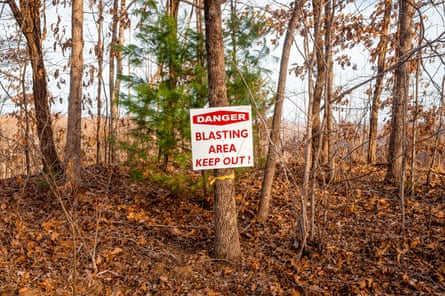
[(234, 28), (172, 10), (100, 61), (375, 105), (420, 39), (274, 143), (201, 62), (301, 220), (328, 145), (403, 165), (122, 22), (74, 130), (437, 136), (28, 18), (321, 73), (414, 128), (27, 133), (400, 93), (112, 132), (311, 192), (227, 244)]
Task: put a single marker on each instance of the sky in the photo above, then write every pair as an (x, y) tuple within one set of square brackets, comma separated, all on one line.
[(296, 99)]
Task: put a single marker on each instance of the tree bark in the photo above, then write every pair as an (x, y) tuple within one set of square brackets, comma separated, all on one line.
[(25, 113), (414, 126), (328, 149), (437, 134), (301, 220), (274, 143), (227, 245), (28, 18), (400, 93), (73, 161), (173, 76), (112, 124), (321, 75), (99, 50), (375, 105)]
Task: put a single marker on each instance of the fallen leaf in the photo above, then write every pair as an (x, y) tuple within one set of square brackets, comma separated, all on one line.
[(116, 251)]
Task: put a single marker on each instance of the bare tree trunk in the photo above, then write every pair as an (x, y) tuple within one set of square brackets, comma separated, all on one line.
[(403, 167), (437, 136), (420, 39), (414, 128), (328, 145), (312, 191), (172, 10), (400, 93), (272, 155), (320, 75), (123, 25), (397, 140), (119, 23), (375, 105), (25, 111), (28, 18), (301, 220), (100, 61), (112, 131), (227, 244), (201, 63), (74, 130)]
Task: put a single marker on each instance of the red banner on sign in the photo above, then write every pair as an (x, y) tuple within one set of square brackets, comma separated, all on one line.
[(220, 117)]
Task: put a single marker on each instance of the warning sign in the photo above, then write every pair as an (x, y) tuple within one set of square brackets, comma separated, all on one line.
[(221, 137)]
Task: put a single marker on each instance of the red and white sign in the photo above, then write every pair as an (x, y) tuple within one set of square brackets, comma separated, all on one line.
[(221, 137)]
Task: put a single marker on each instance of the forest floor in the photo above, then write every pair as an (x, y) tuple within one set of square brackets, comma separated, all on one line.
[(138, 238)]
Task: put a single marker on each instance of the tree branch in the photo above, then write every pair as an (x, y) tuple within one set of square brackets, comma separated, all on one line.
[(403, 59)]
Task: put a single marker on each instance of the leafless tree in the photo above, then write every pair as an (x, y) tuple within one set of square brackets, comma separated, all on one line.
[(74, 129), (27, 16), (274, 142)]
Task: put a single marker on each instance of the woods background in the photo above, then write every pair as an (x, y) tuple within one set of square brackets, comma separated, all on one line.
[(345, 55), (347, 192)]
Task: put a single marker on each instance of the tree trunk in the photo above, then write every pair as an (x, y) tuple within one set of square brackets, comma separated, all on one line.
[(99, 50), (112, 130), (400, 93), (414, 126), (437, 135), (272, 155), (25, 113), (74, 129), (28, 18), (173, 8), (301, 234), (227, 245), (173, 76), (201, 63), (321, 75), (375, 105), (328, 149)]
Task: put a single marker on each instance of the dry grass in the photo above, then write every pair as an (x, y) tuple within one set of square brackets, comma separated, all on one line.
[(13, 144)]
